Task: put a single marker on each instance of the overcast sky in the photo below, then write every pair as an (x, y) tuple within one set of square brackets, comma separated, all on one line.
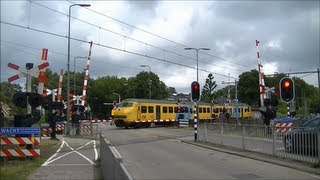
[(288, 32)]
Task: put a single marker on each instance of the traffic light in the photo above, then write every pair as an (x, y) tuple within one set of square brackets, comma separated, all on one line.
[(20, 99), (287, 90), (195, 91)]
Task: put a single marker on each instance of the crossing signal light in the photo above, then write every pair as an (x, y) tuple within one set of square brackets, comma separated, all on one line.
[(195, 91), (287, 89)]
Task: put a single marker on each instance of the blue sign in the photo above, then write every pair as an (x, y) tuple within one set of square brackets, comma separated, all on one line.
[(19, 130)]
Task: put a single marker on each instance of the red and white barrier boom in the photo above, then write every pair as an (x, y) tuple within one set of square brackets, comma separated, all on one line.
[(85, 82)]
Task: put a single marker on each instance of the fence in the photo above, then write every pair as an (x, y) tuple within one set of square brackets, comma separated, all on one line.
[(111, 162), (300, 144)]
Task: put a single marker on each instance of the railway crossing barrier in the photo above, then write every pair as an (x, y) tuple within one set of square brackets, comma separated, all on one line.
[(20, 142), (46, 131)]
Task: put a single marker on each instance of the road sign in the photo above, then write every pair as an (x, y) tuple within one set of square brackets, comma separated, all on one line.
[(25, 72), (19, 130)]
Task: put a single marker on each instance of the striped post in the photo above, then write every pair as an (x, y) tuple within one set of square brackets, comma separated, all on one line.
[(261, 77), (60, 86), (85, 82), (42, 78), (195, 122)]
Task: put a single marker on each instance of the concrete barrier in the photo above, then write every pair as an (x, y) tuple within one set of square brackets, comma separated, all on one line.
[(111, 161)]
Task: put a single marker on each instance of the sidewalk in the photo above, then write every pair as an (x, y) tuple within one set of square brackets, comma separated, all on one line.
[(261, 157), (75, 159)]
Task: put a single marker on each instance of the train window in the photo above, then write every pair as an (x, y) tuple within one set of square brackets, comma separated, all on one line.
[(126, 104), (143, 109), (165, 109), (204, 110), (150, 109), (216, 110), (200, 110), (175, 109), (208, 110), (170, 109), (221, 109)]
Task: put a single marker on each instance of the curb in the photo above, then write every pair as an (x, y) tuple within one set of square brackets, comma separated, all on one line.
[(260, 157)]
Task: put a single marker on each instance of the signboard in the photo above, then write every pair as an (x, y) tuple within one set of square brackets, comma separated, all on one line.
[(19, 130)]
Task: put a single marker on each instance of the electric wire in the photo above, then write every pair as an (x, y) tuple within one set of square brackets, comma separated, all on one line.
[(142, 42)]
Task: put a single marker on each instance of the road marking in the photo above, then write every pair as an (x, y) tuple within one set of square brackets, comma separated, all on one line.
[(55, 154), (253, 149), (52, 165), (50, 160)]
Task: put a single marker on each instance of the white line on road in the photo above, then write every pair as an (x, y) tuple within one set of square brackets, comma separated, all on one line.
[(70, 165), (55, 154), (50, 160), (80, 153)]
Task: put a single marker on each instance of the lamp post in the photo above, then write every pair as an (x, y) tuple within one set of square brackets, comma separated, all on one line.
[(149, 80), (68, 71), (74, 72), (119, 97), (196, 103)]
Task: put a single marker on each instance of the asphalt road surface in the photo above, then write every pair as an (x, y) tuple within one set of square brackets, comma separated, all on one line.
[(158, 153)]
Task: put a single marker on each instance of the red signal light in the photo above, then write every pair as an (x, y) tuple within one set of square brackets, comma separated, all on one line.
[(195, 87), (286, 84)]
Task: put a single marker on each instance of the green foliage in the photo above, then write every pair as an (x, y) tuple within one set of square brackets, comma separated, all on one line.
[(248, 87), (207, 92), (6, 93)]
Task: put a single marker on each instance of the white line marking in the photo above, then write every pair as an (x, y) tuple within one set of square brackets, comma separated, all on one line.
[(63, 142), (70, 165), (95, 150), (80, 153), (255, 149), (55, 154)]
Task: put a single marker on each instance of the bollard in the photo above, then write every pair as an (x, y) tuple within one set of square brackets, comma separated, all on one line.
[(243, 135), (205, 132), (273, 141)]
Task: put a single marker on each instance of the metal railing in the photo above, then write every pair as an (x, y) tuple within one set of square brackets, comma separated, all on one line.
[(286, 142)]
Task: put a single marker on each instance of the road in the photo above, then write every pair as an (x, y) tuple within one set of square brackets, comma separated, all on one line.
[(158, 153)]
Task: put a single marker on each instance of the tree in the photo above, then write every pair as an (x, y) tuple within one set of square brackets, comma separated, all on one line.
[(6, 93), (248, 88), (158, 88), (207, 92)]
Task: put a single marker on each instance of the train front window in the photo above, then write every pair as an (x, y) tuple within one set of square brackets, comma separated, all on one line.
[(126, 104)]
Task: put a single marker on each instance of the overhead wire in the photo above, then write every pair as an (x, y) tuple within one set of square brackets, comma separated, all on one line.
[(110, 47), (73, 56), (139, 41)]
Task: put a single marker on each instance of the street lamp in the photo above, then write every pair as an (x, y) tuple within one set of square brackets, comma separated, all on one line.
[(118, 96), (197, 50), (150, 81), (196, 103), (74, 73), (68, 67)]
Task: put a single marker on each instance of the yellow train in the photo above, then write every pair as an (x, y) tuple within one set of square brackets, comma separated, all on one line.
[(143, 112)]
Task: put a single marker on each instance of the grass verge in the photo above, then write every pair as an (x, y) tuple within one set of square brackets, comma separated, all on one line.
[(21, 168)]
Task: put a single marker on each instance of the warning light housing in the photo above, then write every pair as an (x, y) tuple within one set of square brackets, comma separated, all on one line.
[(287, 89), (195, 91)]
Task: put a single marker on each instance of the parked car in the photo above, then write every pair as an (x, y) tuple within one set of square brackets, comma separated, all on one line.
[(303, 139)]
